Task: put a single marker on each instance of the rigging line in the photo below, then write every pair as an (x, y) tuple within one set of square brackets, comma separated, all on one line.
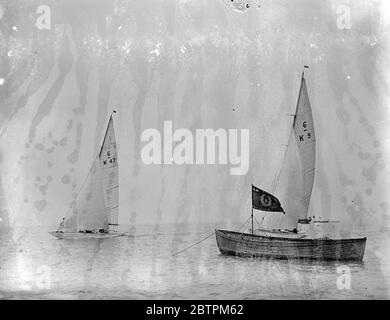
[(291, 132), (193, 244), (200, 241), (244, 224), (257, 222), (277, 176), (90, 170), (82, 186)]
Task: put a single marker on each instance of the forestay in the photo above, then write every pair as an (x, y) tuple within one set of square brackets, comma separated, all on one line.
[(96, 205)]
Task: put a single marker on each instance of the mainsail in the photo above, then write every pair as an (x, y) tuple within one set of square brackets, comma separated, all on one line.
[(96, 205), (295, 180), (109, 164), (90, 205)]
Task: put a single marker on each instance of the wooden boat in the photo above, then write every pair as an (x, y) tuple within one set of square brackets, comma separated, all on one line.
[(289, 246), (297, 236), (94, 213)]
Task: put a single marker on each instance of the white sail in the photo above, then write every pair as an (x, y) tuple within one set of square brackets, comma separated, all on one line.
[(305, 137), (296, 178), (89, 208), (109, 164), (96, 205), (70, 223)]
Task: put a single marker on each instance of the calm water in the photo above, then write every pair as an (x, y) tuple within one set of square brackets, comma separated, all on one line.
[(36, 265)]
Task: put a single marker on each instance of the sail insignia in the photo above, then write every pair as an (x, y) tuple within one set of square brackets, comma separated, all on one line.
[(264, 201)]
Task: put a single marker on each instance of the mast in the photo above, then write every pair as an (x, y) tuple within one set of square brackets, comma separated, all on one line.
[(291, 132), (252, 206), (109, 167), (306, 142), (303, 78), (105, 135), (294, 179), (252, 219)]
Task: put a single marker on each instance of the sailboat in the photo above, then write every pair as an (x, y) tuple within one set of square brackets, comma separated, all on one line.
[(297, 236), (94, 212)]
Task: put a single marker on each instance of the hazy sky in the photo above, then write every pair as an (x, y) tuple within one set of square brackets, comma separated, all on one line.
[(201, 64)]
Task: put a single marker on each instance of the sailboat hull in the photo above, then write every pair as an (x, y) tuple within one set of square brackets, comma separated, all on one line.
[(288, 247), (83, 236)]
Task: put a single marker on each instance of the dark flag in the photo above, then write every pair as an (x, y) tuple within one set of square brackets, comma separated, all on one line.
[(264, 201)]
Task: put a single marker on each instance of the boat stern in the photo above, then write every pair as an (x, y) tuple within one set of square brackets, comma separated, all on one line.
[(227, 242), (218, 237)]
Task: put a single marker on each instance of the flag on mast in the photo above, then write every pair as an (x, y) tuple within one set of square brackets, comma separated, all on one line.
[(264, 201)]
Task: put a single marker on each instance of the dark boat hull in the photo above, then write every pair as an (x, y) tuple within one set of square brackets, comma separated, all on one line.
[(279, 247)]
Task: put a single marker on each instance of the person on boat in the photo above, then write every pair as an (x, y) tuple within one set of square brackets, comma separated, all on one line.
[(61, 226)]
